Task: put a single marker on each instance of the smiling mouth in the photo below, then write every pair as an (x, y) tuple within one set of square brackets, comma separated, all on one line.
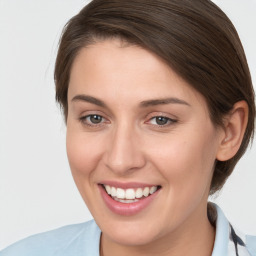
[(130, 195)]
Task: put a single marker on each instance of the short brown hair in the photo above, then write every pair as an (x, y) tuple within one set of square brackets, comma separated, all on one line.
[(194, 37)]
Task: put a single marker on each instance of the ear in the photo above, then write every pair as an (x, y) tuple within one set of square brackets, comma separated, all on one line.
[(234, 127)]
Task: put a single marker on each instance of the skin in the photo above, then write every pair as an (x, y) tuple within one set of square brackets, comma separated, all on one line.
[(129, 146)]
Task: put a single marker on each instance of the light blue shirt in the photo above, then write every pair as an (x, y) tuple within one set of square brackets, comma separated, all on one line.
[(84, 240)]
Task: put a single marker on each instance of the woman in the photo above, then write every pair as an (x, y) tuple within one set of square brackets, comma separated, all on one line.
[(159, 107)]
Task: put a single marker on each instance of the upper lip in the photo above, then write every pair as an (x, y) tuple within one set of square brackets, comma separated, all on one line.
[(126, 185)]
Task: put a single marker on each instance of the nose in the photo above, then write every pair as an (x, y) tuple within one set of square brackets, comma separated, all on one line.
[(124, 153)]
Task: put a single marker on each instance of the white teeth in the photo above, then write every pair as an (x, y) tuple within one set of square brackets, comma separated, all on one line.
[(126, 201), (113, 191), (146, 191), (153, 190), (139, 193), (129, 195), (120, 193), (108, 189)]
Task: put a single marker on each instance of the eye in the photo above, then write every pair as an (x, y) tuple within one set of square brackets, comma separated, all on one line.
[(92, 120), (161, 121), (95, 119)]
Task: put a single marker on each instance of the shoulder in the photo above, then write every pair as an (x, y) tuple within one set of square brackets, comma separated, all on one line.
[(244, 245), (251, 244), (77, 239), (229, 240)]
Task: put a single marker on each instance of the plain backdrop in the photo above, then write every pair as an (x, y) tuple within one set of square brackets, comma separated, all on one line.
[(37, 192)]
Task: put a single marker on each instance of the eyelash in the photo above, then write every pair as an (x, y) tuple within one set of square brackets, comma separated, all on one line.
[(169, 121), (84, 118)]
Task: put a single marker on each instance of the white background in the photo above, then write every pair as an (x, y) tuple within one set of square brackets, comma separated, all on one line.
[(37, 192)]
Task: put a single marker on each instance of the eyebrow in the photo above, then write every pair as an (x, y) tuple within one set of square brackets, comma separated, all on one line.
[(164, 101), (144, 104), (90, 99)]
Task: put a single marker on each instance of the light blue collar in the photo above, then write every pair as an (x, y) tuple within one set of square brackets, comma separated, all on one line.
[(228, 240), (222, 234)]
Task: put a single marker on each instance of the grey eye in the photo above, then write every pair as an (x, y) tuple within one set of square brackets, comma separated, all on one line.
[(95, 119), (161, 120)]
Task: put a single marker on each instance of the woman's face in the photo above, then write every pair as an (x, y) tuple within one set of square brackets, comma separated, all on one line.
[(135, 126)]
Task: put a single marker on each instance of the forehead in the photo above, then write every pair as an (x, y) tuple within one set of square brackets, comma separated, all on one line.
[(111, 70)]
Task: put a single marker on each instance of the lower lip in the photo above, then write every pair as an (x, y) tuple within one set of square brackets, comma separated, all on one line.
[(126, 209)]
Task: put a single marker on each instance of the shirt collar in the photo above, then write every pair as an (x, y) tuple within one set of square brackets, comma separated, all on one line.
[(228, 240), (222, 234)]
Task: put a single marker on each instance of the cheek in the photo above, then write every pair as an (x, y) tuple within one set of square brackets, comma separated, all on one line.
[(83, 153), (186, 166), (185, 161), (83, 156)]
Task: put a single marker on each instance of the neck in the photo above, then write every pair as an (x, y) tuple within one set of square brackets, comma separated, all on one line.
[(195, 237)]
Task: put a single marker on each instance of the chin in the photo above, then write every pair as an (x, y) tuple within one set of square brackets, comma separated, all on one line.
[(131, 232), (131, 237)]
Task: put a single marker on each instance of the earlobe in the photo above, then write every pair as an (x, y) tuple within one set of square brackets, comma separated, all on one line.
[(235, 125)]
